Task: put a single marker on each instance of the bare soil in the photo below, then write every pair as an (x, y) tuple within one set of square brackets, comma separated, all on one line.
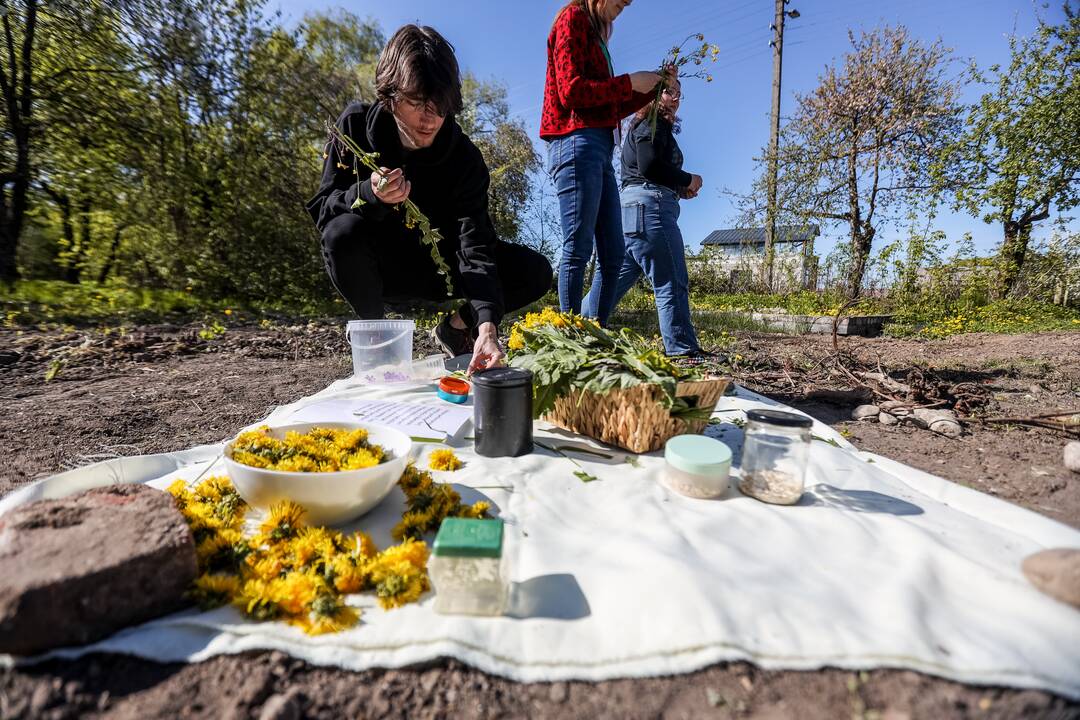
[(161, 388)]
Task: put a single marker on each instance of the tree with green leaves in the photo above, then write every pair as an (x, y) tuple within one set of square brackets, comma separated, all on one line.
[(1019, 154), (861, 143), (507, 150), (19, 19)]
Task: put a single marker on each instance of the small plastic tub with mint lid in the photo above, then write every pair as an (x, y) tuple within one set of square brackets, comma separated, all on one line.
[(468, 568), (697, 466)]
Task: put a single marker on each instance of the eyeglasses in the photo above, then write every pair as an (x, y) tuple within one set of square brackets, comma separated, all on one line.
[(420, 106), (673, 94)]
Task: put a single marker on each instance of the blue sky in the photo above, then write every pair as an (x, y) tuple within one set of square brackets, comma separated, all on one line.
[(726, 122)]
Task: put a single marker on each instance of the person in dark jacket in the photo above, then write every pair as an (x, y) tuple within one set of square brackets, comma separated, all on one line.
[(653, 181), (424, 156)]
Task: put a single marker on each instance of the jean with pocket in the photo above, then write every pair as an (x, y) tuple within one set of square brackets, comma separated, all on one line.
[(580, 164), (654, 245)]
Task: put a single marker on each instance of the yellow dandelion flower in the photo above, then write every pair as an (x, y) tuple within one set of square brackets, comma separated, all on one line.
[(399, 584), (181, 495), (284, 521), (477, 511), (360, 546), (349, 575), (443, 459), (412, 552), (413, 525), (211, 591), (265, 567), (311, 544), (362, 458), (295, 592), (259, 599), (413, 479), (327, 614)]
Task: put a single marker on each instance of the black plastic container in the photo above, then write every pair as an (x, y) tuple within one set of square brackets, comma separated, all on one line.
[(502, 412)]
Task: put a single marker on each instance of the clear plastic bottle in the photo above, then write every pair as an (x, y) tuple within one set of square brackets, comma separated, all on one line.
[(468, 568), (776, 446)]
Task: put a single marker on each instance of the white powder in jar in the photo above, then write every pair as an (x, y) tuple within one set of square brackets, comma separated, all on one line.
[(772, 486)]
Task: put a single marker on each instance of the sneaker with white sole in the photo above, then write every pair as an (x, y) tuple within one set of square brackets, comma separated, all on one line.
[(451, 341)]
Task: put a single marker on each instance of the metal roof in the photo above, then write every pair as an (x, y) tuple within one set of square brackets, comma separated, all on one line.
[(756, 235)]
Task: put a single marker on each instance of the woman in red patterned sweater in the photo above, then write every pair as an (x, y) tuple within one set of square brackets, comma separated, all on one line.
[(583, 103)]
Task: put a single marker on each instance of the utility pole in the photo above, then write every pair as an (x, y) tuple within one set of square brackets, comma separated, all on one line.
[(777, 44)]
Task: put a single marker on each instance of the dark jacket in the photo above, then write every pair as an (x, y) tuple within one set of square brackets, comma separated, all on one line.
[(449, 184), (654, 159)]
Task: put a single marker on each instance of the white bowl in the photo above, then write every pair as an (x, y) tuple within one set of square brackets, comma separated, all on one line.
[(330, 498)]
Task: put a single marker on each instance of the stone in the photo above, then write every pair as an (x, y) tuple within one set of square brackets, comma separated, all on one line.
[(282, 707), (943, 422), (80, 568), (948, 429), (887, 419), (1072, 455), (865, 412), (892, 406), (1055, 572), (558, 692)]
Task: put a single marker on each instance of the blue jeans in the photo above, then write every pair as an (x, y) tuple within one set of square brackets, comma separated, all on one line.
[(654, 245), (580, 165)]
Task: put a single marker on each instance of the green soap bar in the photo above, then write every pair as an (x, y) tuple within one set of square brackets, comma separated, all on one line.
[(461, 537)]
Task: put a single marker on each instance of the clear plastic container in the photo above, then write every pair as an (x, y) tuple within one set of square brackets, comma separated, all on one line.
[(468, 568), (776, 447), (381, 350), (432, 367), (696, 466)]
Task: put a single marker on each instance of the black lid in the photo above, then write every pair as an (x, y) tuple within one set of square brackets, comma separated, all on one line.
[(502, 377), (779, 417)]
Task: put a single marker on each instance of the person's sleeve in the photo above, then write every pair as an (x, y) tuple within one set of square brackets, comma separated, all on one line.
[(476, 256), (339, 188), (572, 35), (652, 157), (636, 102)]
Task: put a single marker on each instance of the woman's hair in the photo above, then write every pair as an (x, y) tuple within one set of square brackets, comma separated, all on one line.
[(601, 26), (419, 63), (666, 113)]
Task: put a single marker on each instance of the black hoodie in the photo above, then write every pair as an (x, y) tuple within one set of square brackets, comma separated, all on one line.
[(449, 184)]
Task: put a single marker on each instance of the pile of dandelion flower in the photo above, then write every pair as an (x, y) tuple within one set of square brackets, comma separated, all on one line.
[(428, 503), (318, 450), (287, 570), (444, 460)]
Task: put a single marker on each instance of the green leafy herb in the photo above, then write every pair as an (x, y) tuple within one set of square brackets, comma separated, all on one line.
[(567, 353)]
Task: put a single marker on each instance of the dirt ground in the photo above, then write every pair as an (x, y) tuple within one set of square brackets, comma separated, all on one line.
[(159, 388)]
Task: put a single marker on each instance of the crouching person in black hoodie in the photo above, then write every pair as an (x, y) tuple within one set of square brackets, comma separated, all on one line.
[(424, 156)]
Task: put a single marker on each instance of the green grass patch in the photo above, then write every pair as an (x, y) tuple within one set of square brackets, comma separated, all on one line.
[(944, 319), (54, 302), (927, 315)]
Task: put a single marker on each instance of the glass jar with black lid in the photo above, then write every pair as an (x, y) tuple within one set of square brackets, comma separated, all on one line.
[(776, 448)]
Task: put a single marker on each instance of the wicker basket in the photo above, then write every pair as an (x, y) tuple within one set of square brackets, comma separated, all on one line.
[(633, 418)]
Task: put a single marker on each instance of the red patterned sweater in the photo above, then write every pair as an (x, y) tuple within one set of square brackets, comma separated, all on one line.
[(579, 91)]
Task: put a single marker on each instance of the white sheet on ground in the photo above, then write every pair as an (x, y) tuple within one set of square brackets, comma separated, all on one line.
[(879, 565)]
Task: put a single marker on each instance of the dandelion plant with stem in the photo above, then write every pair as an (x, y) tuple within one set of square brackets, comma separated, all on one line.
[(683, 54), (429, 235)]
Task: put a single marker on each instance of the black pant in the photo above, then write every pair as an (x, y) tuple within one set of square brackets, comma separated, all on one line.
[(371, 262)]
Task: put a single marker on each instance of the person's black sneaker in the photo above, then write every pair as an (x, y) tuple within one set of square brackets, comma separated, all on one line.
[(451, 341), (694, 358)]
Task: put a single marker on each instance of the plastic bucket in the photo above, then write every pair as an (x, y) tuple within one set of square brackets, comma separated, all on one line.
[(381, 350)]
